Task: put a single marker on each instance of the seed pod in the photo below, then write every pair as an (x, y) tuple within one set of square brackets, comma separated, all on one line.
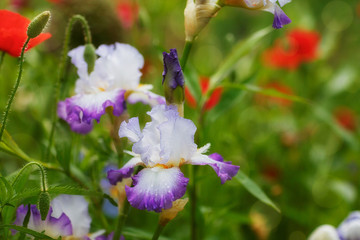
[(44, 204), (38, 24)]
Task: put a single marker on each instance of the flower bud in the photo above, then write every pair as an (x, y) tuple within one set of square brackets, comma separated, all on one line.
[(44, 204), (169, 214), (38, 24), (197, 15), (90, 57), (173, 78)]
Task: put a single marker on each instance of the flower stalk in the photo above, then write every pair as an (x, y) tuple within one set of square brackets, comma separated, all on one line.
[(87, 38), (16, 86)]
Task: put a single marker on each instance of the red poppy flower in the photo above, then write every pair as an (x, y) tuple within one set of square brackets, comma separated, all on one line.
[(300, 46), (128, 13), (211, 102), (346, 118), (263, 99), (13, 29)]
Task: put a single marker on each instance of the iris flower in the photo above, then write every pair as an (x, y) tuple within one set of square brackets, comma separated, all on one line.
[(68, 216), (162, 147), (13, 35), (114, 82)]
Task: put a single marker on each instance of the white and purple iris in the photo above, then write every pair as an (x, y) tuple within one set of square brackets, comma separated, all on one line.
[(114, 82), (280, 18), (349, 229), (68, 216), (162, 147)]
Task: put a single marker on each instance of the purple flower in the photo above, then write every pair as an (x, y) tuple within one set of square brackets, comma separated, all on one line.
[(349, 229), (165, 144), (114, 82)]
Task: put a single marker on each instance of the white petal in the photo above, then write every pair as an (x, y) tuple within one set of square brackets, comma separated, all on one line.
[(76, 208), (324, 232), (131, 130)]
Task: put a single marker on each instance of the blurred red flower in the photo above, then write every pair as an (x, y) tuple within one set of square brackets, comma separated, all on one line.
[(263, 99), (346, 118), (128, 12), (211, 102), (13, 29), (300, 46)]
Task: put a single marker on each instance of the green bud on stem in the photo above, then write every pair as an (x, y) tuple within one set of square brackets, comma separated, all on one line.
[(44, 204), (90, 57), (38, 24)]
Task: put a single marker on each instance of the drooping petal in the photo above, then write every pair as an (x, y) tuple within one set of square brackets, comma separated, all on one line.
[(115, 176), (80, 110), (225, 170), (327, 232), (76, 208), (156, 188), (280, 18), (349, 229), (177, 140)]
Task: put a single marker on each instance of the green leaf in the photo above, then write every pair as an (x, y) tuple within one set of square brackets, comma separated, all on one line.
[(241, 49), (27, 231), (9, 191), (73, 191), (254, 189), (111, 200)]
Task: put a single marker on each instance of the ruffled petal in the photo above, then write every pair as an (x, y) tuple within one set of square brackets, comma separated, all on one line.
[(115, 176), (80, 110), (177, 140), (156, 188), (77, 58), (327, 232), (131, 130), (225, 170), (76, 208), (120, 64)]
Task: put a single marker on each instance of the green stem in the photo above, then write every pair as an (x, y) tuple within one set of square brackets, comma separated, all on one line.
[(2, 55), (158, 231), (121, 220), (114, 132), (186, 52), (12, 96), (26, 222), (193, 201), (62, 66), (42, 173)]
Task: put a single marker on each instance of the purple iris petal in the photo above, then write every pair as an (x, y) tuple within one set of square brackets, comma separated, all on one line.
[(115, 176), (225, 170), (80, 110), (280, 18), (108, 237), (172, 70), (156, 188)]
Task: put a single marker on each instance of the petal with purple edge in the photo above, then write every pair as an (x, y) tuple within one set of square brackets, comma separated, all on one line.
[(225, 170), (115, 176), (156, 188), (80, 110), (172, 69), (349, 229), (280, 18)]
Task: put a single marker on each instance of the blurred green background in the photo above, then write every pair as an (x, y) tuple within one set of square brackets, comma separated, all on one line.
[(299, 154)]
